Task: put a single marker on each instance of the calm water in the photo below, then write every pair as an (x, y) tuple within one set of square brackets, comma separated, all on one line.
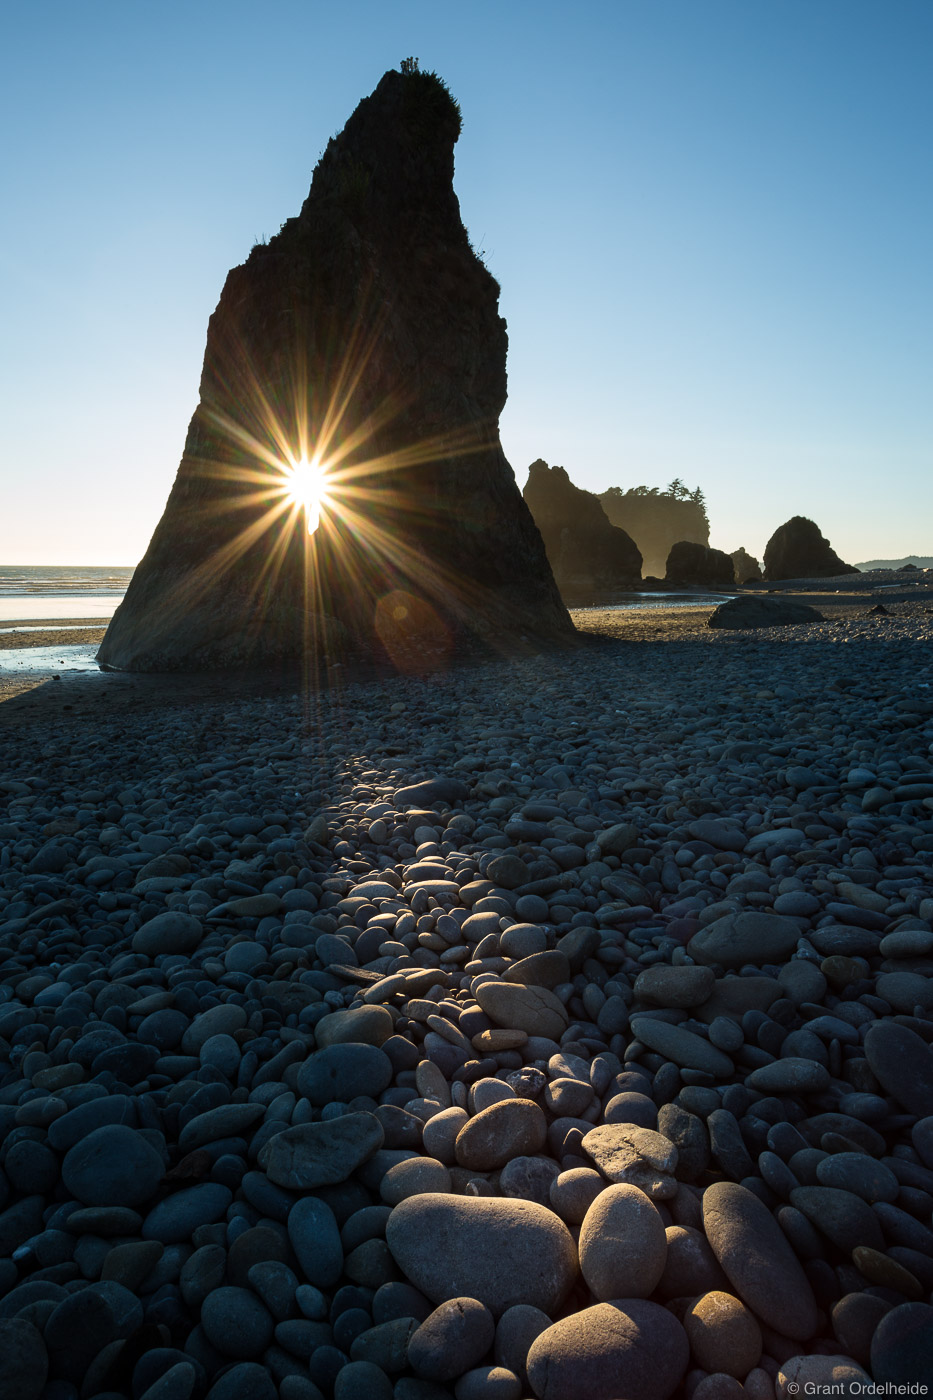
[(630, 601), (48, 591)]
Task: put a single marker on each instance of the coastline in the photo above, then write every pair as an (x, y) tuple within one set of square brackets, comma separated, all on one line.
[(845, 604)]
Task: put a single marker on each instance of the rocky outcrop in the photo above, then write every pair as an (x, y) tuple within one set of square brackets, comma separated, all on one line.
[(657, 520), (591, 558), (745, 566), (797, 549), (755, 611), (366, 336), (698, 566)]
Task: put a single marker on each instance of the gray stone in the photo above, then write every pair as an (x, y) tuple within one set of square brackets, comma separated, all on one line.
[(737, 939), (753, 611), (622, 1244), (171, 932), (859, 1173), (633, 1156), (310, 1155), (840, 1215), (315, 1237), (534, 1010), (113, 1165), (177, 1217), (759, 1262), (512, 1128), (455, 1337), (902, 1346), (341, 1072), (903, 1063), (630, 1347), (664, 985), (236, 1322), (25, 1360), (499, 1251), (682, 1047), (791, 1075)]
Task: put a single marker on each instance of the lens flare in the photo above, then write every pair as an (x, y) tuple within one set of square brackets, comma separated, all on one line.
[(305, 482)]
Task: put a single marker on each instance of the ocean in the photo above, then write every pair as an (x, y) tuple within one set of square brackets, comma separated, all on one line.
[(43, 592)]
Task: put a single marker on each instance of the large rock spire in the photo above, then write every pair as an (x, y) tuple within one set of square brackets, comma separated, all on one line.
[(364, 337)]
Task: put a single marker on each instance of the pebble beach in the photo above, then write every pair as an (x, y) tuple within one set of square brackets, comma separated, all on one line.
[(557, 1028)]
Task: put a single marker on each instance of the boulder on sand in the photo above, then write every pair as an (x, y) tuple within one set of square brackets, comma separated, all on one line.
[(753, 611), (363, 340)]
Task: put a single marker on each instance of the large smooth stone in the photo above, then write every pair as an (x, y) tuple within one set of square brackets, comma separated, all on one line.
[(500, 1251), (623, 1246), (842, 1216), (684, 1048), (321, 1154), (723, 1334), (510, 1128), (177, 1217), (736, 939), (315, 1237), (633, 1156), (628, 1349), (455, 1337), (903, 1063), (366, 1025), (25, 1364), (344, 1071), (171, 932), (733, 996), (534, 1010), (792, 1075), (683, 986), (902, 1346), (820, 1375), (113, 1165), (758, 1261)]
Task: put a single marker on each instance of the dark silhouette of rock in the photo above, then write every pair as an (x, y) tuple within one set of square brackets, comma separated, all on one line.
[(798, 550), (746, 566), (365, 334), (591, 558), (657, 520), (697, 565), (752, 610)]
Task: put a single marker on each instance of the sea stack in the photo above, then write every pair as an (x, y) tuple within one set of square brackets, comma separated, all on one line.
[(798, 549), (360, 349), (592, 559)]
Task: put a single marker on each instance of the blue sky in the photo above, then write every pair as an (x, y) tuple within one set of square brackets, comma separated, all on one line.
[(711, 221)]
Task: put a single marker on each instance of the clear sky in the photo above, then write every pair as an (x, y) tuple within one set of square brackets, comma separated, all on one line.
[(711, 219)]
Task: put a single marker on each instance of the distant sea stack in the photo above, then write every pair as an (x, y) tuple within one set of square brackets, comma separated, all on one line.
[(746, 566), (797, 549), (699, 566), (365, 336), (591, 558)]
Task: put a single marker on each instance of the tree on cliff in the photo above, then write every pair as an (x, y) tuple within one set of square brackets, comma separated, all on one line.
[(657, 520)]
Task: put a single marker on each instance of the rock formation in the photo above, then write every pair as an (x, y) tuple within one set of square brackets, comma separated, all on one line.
[(365, 336), (798, 550), (657, 520), (746, 567), (752, 611), (591, 558), (698, 566)]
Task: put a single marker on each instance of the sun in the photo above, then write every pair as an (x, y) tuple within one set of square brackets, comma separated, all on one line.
[(306, 488)]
